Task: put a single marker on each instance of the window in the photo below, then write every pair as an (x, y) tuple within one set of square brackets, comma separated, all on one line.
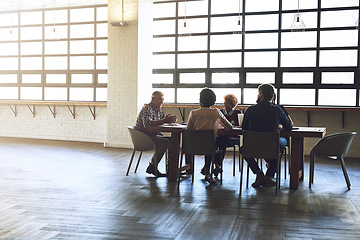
[(68, 64), (212, 50)]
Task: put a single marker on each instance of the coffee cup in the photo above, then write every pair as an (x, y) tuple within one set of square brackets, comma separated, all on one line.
[(240, 118)]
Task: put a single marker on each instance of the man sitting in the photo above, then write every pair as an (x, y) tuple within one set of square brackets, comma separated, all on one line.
[(265, 117), (152, 115)]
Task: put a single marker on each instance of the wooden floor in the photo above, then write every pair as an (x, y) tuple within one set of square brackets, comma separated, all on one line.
[(73, 190)]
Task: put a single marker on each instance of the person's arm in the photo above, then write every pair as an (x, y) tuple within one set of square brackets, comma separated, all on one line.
[(224, 122), (169, 118), (284, 121), (190, 122), (148, 118), (287, 114)]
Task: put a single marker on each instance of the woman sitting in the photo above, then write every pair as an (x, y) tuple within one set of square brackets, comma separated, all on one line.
[(222, 142), (206, 118)]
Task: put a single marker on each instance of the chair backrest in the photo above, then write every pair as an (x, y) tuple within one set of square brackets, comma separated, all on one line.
[(261, 144), (337, 144), (141, 141), (198, 142)]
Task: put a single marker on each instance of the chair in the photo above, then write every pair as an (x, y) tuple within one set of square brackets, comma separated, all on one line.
[(234, 157), (334, 146), (260, 160), (198, 142), (261, 145), (142, 143)]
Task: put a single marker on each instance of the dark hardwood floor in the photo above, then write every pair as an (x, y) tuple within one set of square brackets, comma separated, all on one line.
[(74, 190)]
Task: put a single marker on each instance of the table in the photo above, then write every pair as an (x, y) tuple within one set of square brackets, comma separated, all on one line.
[(297, 136)]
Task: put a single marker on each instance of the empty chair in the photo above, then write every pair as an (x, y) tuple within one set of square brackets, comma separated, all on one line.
[(334, 146), (141, 142), (198, 142), (261, 145)]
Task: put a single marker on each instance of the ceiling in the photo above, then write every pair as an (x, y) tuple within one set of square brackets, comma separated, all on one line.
[(8, 5)]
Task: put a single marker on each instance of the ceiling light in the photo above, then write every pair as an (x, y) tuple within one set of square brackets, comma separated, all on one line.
[(298, 24)]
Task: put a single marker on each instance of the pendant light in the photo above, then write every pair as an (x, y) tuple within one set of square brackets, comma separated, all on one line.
[(298, 25), (122, 22), (184, 30), (240, 26), (11, 34), (54, 33)]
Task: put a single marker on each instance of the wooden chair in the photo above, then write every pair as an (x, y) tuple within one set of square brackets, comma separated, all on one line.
[(334, 147), (261, 145), (198, 142)]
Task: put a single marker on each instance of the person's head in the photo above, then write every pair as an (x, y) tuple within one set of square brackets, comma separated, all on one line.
[(157, 99), (230, 101), (265, 92), (207, 97)]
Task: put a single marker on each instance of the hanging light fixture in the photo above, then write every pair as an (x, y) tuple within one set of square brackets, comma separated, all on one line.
[(11, 34), (298, 25), (240, 26), (184, 29), (122, 22), (54, 33)]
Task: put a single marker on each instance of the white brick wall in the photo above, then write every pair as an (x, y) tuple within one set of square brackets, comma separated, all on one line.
[(45, 126), (129, 70), (129, 87)]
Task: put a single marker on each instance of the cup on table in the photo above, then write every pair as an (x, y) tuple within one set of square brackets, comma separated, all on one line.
[(240, 118)]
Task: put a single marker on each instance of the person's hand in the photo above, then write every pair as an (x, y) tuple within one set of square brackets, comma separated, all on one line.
[(169, 118), (281, 127)]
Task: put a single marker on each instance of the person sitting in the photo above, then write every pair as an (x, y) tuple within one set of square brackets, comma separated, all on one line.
[(207, 118), (152, 115), (265, 117), (231, 114)]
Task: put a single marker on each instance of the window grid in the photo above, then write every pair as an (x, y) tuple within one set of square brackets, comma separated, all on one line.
[(67, 56), (316, 66)]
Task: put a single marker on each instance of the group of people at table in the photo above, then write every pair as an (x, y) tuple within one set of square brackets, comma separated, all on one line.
[(265, 116)]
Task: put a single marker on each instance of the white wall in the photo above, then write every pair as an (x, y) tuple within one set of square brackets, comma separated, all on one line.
[(45, 126), (129, 70), (129, 87)]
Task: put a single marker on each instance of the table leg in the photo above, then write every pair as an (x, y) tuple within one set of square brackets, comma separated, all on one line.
[(297, 162), (174, 157)]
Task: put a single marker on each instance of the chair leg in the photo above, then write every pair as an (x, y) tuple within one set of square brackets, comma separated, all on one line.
[(239, 160), (131, 159), (138, 161), (247, 175), (221, 167), (278, 165), (234, 162), (285, 163), (311, 171), (167, 162), (193, 168), (241, 174), (279, 169), (345, 172), (179, 172)]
